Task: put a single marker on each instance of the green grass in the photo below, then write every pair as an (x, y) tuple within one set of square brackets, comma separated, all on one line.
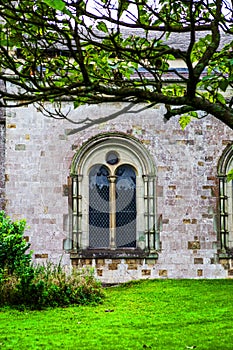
[(158, 314)]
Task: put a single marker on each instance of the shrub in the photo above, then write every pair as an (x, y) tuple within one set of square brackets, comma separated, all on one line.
[(23, 284), (61, 288), (13, 246), (51, 286)]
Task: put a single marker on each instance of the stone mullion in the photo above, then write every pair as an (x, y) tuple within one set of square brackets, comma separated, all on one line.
[(112, 210)]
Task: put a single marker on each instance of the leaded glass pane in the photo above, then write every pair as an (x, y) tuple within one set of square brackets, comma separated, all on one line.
[(98, 207), (126, 207)]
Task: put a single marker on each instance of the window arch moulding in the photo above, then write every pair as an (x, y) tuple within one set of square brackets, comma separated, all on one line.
[(226, 203), (113, 199)]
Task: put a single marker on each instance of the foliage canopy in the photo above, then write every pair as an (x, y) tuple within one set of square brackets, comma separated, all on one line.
[(93, 51)]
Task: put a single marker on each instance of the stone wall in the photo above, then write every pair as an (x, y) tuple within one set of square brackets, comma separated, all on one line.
[(39, 152)]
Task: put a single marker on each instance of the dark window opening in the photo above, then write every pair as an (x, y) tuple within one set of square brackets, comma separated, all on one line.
[(125, 207), (99, 207), (119, 194)]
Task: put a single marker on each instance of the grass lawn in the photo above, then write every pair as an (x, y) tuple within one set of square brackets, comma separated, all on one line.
[(157, 314)]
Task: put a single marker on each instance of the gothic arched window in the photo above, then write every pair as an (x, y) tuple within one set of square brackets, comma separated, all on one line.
[(113, 196)]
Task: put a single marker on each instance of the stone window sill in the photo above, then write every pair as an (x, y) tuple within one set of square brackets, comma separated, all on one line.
[(113, 253)]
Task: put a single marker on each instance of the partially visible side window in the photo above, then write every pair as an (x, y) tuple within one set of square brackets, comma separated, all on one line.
[(226, 201)]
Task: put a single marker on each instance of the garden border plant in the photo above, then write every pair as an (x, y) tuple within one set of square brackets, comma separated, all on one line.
[(36, 286)]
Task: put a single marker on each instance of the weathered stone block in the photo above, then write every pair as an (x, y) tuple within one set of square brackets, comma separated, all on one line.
[(20, 147), (226, 142), (198, 261), (163, 273), (159, 191), (151, 262), (99, 272), (207, 216), (207, 187), (11, 126), (113, 265), (133, 263), (179, 197), (41, 256), (185, 142), (211, 178), (99, 263), (49, 221), (224, 263), (146, 142), (194, 245), (86, 262), (65, 190), (146, 272)]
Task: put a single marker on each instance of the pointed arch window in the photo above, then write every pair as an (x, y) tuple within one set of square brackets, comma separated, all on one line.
[(226, 201), (113, 197)]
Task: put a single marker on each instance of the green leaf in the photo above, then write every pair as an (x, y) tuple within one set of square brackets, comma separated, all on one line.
[(55, 4), (230, 175), (221, 99), (184, 120), (200, 47), (223, 84), (80, 101), (123, 5), (102, 27), (207, 77)]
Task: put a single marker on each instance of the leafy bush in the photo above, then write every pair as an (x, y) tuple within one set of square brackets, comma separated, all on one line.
[(13, 246), (50, 285), (23, 284)]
